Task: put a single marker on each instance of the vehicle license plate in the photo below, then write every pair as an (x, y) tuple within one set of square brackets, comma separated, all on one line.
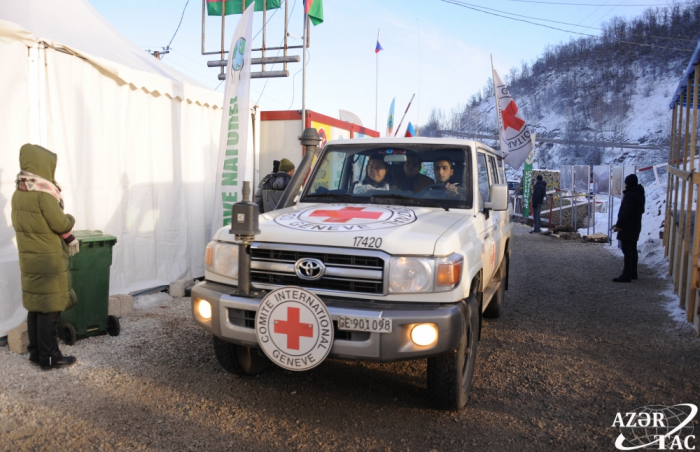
[(372, 325)]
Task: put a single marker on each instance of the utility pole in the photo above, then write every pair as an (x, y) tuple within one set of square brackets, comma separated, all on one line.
[(376, 85), (303, 83)]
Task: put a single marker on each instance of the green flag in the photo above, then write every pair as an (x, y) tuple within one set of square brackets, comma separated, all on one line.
[(234, 6), (314, 9)]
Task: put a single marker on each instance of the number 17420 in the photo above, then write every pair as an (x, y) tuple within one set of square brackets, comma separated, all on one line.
[(367, 242)]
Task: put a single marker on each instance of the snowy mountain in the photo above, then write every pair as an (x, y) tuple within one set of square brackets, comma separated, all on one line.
[(600, 89)]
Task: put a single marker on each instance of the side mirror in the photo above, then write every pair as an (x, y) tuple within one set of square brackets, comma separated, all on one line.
[(498, 195)]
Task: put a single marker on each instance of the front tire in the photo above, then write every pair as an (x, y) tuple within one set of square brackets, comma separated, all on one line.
[(239, 360), (450, 375)]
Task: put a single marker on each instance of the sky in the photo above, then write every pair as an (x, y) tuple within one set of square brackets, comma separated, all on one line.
[(436, 50)]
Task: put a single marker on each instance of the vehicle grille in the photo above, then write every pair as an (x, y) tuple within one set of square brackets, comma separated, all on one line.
[(328, 259), (341, 270)]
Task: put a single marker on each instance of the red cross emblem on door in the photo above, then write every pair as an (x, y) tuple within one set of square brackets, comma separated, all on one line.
[(294, 328), (345, 214)]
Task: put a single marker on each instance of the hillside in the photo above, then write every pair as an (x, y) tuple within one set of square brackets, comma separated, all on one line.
[(595, 89)]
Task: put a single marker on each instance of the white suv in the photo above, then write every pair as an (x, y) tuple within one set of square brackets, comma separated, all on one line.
[(404, 265)]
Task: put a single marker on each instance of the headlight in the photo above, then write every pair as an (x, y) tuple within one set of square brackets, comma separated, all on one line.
[(222, 259), (424, 274), (411, 274)]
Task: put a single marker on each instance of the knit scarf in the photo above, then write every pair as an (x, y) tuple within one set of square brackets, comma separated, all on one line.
[(27, 181)]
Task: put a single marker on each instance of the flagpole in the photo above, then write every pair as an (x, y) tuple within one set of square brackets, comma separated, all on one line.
[(404, 114), (303, 77), (376, 87), (498, 112)]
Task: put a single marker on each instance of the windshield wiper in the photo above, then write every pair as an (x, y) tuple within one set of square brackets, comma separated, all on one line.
[(390, 196), (411, 201), (340, 196)]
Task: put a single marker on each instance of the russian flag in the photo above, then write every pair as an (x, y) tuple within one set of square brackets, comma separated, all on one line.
[(379, 46), (410, 132)]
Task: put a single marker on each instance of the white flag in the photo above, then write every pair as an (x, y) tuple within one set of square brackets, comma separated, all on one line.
[(516, 141), (235, 162)]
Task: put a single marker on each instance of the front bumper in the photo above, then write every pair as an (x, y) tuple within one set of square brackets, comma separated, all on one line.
[(233, 320)]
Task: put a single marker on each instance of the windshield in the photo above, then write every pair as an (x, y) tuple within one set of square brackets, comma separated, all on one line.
[(419, 175)]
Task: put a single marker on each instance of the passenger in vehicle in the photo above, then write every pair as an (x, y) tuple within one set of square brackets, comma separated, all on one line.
[(413, 180), (444, 170), (376, 178)]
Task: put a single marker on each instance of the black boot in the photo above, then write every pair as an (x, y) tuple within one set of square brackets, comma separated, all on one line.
[(57, 363), (33, 346), (50, 356), (622, 278)]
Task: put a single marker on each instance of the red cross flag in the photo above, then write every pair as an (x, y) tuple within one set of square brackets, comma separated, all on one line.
[(516, 141)]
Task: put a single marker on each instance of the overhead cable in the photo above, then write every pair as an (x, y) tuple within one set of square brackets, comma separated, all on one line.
[(265, 24), (579, 4), (178, 25), (567, 23), (456, 3), (278, 52)]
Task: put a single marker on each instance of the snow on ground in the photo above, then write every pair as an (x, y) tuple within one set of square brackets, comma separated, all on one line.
[(150, 300), (650, 245)]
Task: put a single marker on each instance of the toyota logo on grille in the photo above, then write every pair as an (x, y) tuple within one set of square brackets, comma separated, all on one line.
[(309, 269)]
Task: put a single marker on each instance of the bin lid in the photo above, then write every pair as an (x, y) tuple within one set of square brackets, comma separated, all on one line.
[(94, 236)]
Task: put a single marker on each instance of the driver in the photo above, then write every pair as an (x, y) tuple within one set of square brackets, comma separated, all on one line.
[(413, 180), (376, 178), (443, 172)]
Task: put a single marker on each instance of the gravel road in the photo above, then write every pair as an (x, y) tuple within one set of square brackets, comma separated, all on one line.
[(571, 350)]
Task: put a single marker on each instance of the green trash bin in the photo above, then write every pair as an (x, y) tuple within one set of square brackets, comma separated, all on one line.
[(89, 272)]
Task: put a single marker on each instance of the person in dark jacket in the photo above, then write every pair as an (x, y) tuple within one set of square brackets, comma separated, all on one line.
[(45, 243), (273, 185), (539, 191), (629, 225), (413, 180)]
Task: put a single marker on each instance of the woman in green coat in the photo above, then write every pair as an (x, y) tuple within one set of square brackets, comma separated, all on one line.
[(45, 242)]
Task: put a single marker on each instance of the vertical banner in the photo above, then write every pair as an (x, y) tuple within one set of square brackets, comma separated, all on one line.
[(617, 184), (234, 153), (582, 179), (601, 179), (527, 183), (567, 178)]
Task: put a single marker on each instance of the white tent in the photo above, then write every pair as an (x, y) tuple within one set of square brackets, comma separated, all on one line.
[(136, 143)]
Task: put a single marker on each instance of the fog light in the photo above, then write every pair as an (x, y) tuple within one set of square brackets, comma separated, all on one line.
[(424, 334), (204, 309)]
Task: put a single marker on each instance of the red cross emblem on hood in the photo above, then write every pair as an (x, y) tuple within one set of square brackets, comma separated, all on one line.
[(509, 118), (345, 214)]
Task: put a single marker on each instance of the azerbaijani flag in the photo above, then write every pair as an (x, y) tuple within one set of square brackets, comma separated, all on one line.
[(410, 132), (379, 46), (214, 7), (390, 119), (314, 9)]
